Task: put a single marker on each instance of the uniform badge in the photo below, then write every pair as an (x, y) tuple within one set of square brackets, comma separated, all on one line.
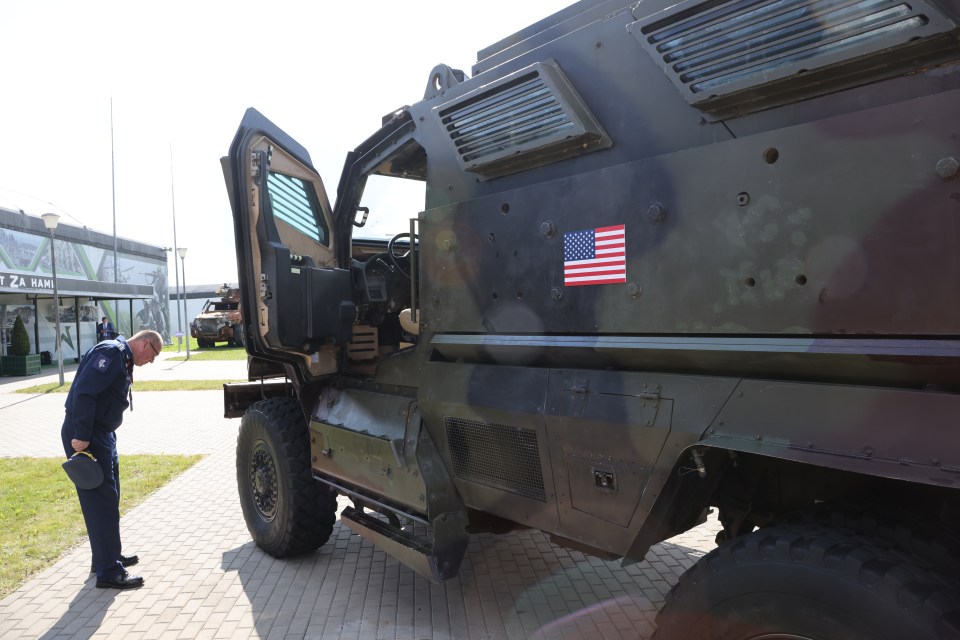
[(102, 364)]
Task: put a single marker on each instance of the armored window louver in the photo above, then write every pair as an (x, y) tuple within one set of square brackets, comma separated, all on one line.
[(751, 54), (294, 201), (529, 118)]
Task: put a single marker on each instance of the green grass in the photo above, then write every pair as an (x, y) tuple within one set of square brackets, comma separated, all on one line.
[(172, 348), (40, 516), (213, 353), (181, 385), (140, 385), (219, 352)]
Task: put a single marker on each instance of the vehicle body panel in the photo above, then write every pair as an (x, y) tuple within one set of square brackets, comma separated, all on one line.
[(786, 330)]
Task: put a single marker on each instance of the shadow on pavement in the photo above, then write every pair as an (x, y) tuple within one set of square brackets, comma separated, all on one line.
[(512, 585), (85, 613), (11, 400)]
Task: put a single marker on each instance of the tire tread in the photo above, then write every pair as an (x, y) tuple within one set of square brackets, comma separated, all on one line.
[(935, 547), (311, 516), (911, 587)]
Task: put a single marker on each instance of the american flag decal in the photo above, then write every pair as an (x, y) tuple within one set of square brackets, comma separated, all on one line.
[(594, 256)]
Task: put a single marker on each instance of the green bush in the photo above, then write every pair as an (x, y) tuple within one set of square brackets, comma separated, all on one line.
[(19, 339)]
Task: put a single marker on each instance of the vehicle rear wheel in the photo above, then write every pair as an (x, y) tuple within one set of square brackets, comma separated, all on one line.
[(935, 546), (287, 512), (807, 582)]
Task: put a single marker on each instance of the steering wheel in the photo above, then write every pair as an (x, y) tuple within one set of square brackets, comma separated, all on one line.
[(394, 258)]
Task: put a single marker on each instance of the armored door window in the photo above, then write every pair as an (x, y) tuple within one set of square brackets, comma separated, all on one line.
[(294, 201)]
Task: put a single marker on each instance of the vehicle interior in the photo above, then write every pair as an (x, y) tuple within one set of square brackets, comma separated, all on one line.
[(383, 272), (294, 228)]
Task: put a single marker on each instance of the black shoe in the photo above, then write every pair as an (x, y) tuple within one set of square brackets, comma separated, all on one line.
[(127, 561), (123, 581)]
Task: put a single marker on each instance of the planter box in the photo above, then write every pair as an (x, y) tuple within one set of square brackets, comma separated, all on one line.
[(20, 365)]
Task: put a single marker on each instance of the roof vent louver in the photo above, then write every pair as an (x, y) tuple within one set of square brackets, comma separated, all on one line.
[(529, 118), (758, 53)]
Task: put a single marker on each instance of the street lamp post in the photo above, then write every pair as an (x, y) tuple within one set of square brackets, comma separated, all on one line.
[(182, 252), (176, 298), (50, 221)]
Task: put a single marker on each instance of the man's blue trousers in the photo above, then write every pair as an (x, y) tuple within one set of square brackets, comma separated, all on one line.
[(101, 506)]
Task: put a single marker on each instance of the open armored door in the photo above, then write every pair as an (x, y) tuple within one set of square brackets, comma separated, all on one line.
[(296, 302)]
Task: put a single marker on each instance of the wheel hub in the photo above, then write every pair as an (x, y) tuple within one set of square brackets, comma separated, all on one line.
[(263, 481)]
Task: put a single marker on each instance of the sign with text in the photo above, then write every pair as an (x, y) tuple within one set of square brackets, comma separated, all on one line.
[(18, 282)]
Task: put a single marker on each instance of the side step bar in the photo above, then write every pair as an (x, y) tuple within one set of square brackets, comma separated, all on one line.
[(436, 561)]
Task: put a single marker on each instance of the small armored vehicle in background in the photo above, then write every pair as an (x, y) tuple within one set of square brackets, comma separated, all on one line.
[(220, 320), (670, 257)]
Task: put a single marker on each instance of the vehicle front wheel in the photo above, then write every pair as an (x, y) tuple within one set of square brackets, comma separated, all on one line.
[(238, 335), (287, 512), (808, 582)]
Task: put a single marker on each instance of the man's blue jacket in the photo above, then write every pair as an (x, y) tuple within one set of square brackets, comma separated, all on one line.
[(98, 395)]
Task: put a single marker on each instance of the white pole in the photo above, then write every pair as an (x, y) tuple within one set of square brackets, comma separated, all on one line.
[(113, 195), (50, 221), (183, 267), (176, 268)]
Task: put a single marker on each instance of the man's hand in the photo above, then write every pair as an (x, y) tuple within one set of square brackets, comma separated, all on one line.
[(79, 445)]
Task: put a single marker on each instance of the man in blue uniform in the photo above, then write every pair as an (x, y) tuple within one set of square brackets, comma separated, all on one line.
[(94, 409)]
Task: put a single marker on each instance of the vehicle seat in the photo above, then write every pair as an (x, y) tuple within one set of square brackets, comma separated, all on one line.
[(407, 324)]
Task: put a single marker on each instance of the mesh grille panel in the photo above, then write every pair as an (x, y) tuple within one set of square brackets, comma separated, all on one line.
[(496, 456)]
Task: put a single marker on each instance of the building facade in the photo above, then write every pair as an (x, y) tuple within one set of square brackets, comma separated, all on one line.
[(97, 275)]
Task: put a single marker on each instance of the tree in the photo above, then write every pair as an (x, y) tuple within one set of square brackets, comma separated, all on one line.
[(19, 339)]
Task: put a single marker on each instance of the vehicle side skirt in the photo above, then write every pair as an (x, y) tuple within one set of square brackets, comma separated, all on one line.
[(371, 447), (571, 452)]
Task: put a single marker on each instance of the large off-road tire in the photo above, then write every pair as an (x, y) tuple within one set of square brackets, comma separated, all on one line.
[(287, 512), (934, 546), (203, 343), (238, 335), (808, 582)]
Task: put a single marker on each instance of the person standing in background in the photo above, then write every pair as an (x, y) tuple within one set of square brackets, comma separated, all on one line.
[(105, 330)]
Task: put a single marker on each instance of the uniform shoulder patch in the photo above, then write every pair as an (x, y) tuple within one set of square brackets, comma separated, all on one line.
[(102, 364)]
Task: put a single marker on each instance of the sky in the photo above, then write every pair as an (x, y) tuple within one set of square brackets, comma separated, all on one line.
[(179, 76)]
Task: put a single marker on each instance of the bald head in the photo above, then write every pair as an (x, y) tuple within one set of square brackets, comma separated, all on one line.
[(145, 345)]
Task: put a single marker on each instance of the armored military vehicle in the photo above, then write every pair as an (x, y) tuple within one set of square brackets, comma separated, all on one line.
[(672, 257), (220, 320)]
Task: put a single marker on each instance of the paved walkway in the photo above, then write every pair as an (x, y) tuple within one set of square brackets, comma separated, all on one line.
[(205, 579)]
